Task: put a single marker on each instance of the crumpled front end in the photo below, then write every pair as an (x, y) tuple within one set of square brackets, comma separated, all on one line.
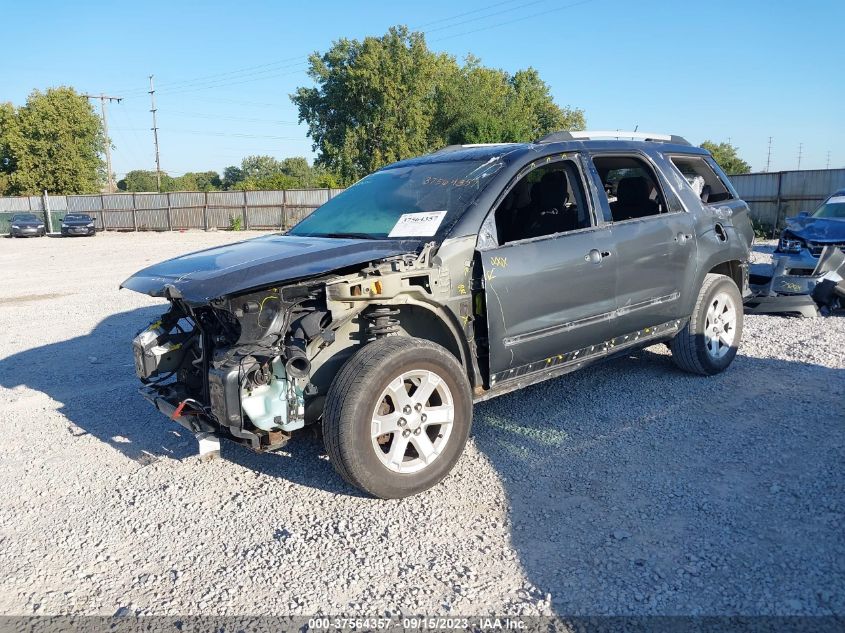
[(237, 366)]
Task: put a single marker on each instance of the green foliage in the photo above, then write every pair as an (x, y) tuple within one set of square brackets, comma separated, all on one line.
[(231, 176), (485, 105), (145, 180), (54, 142), (197, 181), (387, 98), (236, 223), (266, 172), (726, 156)]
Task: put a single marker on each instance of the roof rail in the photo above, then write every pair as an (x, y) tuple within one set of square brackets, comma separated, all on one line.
[(557, 137), (455, 148)]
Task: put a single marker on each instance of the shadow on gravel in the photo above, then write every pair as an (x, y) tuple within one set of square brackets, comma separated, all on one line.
[(637, 489), (93, 379), (633, 488)]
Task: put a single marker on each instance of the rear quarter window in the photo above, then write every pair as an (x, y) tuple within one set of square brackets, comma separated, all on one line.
[(702, 179)]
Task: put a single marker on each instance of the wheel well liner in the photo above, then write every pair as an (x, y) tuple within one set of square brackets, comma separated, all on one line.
[(732, 269)]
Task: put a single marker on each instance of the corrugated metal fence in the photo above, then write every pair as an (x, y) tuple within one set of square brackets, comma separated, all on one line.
[(775, 196), (176, 210), (772, 197)]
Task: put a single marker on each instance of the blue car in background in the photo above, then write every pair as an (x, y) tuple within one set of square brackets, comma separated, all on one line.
[(805, 236)]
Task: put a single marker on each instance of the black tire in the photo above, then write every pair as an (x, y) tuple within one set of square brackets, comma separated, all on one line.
[(351, 402), (690, 346)]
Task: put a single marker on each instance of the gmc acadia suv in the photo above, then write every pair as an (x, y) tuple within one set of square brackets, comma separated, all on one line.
[(444, 280)]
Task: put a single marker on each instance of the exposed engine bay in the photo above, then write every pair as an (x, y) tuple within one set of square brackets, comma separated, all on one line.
[(258, 365)]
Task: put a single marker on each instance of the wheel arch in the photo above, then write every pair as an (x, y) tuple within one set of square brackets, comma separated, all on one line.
[(422, 321), (732, 268)]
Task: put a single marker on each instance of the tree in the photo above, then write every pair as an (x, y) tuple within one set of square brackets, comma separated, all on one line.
[(384, 99), (144, 180), (54, 142), (485, 105), (373, 103), (726, 156), (197, 181), (232, 175), (266, 172), (260, 167), (7, 160)]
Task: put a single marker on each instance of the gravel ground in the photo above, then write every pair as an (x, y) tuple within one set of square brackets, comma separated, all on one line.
[(628, 488)]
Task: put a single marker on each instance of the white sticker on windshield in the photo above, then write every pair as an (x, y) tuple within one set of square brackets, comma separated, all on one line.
[(417, 224), (836, 200)]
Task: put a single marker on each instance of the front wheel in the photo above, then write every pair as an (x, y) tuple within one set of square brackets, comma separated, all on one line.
[(397, 416), (709, 342)]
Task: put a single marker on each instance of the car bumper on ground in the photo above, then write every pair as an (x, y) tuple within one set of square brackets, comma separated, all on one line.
[(802, 262)]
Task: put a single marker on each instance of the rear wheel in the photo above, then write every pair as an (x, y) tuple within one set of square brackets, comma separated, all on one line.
[(397, 416), (709, 342)]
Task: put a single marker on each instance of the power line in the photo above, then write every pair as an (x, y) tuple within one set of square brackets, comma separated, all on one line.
[(460, 15), (270, 69), (185, 86), (103, 98), (484, 17), (509, 22)]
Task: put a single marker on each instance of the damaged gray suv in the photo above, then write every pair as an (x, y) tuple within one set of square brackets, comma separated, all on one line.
[(444, 280)]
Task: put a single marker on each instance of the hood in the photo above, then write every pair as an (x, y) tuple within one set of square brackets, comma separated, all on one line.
[(819, 230), (224, 270)]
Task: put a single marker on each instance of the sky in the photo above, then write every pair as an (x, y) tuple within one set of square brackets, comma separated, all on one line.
[(738, 71)]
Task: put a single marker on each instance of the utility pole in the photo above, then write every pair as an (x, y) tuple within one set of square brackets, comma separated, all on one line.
[(800, 148), (827, 165), (769, 156), (103, 98), (153, 109)]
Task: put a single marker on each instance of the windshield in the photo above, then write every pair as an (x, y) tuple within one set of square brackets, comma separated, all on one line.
[(80, 218), (25, 217), (411, 201), (833, 207)]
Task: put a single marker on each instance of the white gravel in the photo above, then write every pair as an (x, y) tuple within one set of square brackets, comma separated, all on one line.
[(629, 488)]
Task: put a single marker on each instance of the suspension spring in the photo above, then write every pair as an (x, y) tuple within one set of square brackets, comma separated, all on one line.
[(382, 322)]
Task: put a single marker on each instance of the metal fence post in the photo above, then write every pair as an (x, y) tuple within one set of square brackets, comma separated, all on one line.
[(245, 213), (205, 213), (284, 209), (47, 212), (169, 217), (777, 205), (134, 213), (103, 211)]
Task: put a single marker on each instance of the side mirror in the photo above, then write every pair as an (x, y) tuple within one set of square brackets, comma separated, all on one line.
[(61, 219), (803, 214)]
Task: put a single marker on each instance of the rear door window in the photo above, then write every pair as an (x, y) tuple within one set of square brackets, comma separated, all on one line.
[(632, 188)]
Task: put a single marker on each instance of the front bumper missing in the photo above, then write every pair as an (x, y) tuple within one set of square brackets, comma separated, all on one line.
[(194, 423)]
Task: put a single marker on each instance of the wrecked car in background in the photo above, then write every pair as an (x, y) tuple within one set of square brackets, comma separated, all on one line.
[(444, 280), (808, 268)]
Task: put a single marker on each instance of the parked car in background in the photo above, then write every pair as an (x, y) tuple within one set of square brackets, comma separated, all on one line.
[(805, 236), (445, 280), (27, 225), (77, 224)]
